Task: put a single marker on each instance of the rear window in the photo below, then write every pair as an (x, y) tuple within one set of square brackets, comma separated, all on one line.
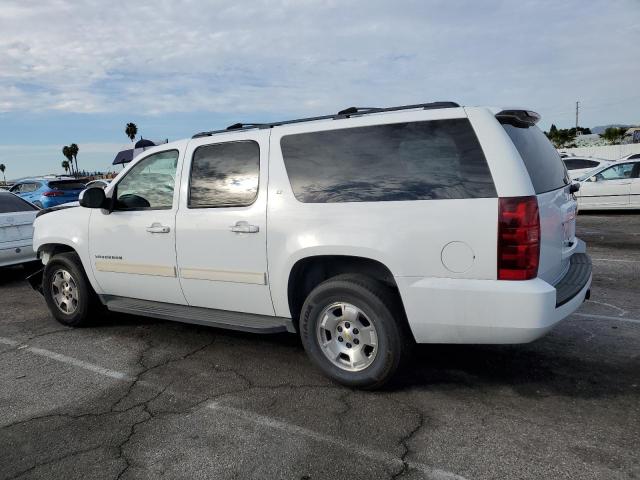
[(430, 160), (543, 162), (69, 185), (10, 203)]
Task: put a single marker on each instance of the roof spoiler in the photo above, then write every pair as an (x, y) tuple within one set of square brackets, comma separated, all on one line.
[(518, 118)]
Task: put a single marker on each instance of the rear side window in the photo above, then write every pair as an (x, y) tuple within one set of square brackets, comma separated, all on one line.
[(10, 203), (225, 175), (431, 160), (61, 185), (543, 162)]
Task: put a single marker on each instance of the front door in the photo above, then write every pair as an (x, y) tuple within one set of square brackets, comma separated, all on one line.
[(221, 224), (133, 247), (607, 188)]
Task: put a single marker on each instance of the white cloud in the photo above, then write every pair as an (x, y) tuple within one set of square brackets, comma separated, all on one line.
[(309, 56)]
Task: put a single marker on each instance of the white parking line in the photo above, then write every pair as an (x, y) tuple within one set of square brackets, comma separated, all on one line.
[(429, 472), (292, 429), (607, 317), (614, 260), (92, 367)]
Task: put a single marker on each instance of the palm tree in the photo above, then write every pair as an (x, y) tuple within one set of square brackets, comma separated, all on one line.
[(131, 131), (73, 149), (2, 169), (65, 165), (66, 151)]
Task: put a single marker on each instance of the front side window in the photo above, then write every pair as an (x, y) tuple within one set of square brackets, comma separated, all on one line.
[(225, 175), (149, 184), (427, 160), (617, 172)]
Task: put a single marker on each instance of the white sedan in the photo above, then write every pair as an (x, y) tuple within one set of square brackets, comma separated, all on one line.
[(614, 186), (16, 229), (579, 166)]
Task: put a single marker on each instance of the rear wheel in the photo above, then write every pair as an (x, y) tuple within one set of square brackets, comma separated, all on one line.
[(67, 291), (354, 330)]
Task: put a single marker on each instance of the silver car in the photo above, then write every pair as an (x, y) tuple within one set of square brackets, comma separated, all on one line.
[(16, 229)]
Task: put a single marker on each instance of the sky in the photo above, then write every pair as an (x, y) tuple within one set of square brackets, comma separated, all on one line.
[(76, 71)]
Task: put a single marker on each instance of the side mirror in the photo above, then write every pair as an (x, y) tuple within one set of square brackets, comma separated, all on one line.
[(574, 187), (93, 197)]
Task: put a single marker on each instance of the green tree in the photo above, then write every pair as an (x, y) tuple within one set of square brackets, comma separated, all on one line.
[(73, 149), (2, 169), (613, 135), (66, 151), (131, 131), (65, 165)]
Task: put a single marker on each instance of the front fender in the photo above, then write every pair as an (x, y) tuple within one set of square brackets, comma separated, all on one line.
[(69, 228)]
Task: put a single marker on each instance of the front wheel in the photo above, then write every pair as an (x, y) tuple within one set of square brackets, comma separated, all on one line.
[(67, 291), (353, 328)]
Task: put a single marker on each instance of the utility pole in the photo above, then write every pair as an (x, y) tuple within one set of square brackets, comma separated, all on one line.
[(577, 109)]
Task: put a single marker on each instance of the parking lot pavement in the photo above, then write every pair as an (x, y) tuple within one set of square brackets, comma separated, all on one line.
[(138, 398)]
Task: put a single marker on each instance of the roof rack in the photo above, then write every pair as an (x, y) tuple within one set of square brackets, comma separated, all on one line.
[(346, 113)]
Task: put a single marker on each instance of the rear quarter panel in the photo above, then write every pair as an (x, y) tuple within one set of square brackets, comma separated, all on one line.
[(408, 237)]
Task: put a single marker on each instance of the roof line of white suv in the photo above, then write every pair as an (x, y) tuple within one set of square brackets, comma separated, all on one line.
[(342, 114)]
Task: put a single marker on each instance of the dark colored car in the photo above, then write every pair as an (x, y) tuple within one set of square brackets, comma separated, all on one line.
[(46, 193)]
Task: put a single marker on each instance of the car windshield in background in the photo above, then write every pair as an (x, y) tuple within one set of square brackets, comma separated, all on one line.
[(10, 203), (543, 162), (67, 185)]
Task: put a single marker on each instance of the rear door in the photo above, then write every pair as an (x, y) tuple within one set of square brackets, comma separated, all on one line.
[(556, 205), (221, 225), (16, 219)]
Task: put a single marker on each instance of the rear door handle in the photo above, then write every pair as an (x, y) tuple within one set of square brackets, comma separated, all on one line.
[(158, 228), (244, 227)]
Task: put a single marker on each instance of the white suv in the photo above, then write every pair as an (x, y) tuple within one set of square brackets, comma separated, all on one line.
[(363, 231)]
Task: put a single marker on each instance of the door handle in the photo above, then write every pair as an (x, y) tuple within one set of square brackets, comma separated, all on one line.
[(244, 227), (158, 228)]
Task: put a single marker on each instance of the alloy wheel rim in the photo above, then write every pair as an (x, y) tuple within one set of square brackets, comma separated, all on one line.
[(64, 291), (347, 338)]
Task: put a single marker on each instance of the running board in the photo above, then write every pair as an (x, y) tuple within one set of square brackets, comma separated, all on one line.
[(245, 322)]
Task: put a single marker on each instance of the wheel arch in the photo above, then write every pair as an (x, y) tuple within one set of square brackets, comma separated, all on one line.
[(308, 272)]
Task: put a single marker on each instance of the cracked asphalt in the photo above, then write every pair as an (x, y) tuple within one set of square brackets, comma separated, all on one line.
[(139, 398)]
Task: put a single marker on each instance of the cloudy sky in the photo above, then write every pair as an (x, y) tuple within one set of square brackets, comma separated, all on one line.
[(78, 70)]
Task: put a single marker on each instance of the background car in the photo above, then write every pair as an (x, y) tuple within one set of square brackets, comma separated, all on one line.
[(578, 166), (16, 229), (631, 156), (614, 186), (102, 183), (45, 193)]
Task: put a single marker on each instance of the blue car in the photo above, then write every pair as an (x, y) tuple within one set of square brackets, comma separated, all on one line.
[(46, 193)]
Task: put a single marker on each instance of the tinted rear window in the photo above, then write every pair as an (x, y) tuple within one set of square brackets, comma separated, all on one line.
[(10, 203), (70, 185), (439, 159), (543, 162)]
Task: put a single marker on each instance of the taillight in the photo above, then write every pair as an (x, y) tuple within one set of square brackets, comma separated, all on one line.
[(518, 238), (53, 193)]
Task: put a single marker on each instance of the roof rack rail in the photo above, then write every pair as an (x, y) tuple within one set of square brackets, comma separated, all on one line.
[(346, 113)]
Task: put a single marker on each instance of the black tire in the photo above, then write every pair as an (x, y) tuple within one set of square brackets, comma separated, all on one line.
[(87, 302), (383, 309)]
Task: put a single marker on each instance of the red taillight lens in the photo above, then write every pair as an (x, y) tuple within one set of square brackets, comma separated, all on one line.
[(53, 193), (518, 238)]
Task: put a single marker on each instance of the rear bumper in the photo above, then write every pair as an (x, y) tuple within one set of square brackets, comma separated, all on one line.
[(442, 310), (15, 253)]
